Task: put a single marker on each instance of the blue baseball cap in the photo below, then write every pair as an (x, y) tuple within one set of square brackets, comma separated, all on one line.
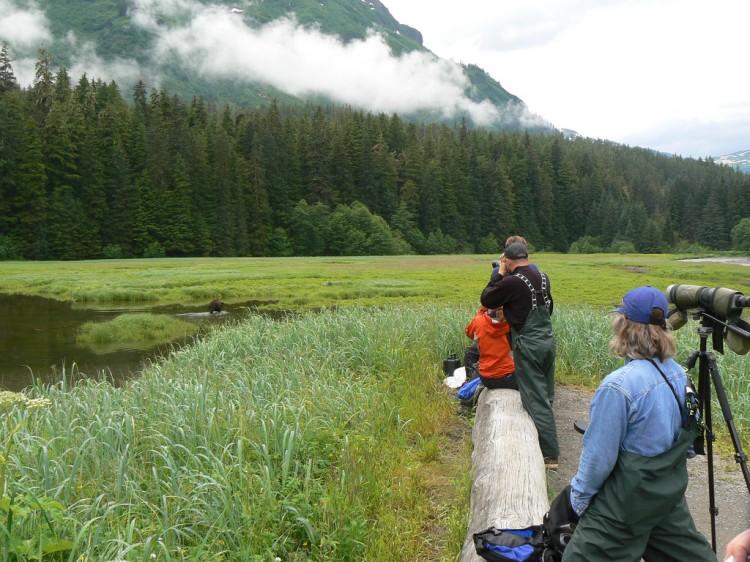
[(638, 306)]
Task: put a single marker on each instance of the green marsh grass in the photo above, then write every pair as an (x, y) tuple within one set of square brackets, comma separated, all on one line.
[(311, 283), (308, 438), (133, 331)]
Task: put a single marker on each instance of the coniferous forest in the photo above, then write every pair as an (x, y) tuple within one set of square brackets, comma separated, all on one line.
[(89, 171)]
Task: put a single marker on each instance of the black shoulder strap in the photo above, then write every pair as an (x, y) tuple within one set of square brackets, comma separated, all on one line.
[(683, 415)]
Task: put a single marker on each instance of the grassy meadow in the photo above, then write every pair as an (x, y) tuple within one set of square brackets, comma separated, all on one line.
[(304, 283), (320, 435)]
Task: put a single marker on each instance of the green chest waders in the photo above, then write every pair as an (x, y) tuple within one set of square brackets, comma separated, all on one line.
[(641, 512), (534, 355)]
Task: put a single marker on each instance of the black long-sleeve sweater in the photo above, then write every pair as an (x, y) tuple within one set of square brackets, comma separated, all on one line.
[(514, 296)]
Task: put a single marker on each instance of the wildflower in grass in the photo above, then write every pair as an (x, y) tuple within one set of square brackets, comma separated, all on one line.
[(37, 403), (9, 399)]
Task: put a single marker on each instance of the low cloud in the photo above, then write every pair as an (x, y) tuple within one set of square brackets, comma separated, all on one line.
[(126, 72), (304, 61), (22, 27)]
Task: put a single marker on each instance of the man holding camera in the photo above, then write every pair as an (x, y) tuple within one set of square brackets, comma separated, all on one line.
[(524, 293)]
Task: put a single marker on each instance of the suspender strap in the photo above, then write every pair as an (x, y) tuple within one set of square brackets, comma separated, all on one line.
[(543, 291), (683, 415)]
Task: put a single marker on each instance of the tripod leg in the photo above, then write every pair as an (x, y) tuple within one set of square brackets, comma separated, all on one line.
[(690, 363), (704, 389), (726, 411)]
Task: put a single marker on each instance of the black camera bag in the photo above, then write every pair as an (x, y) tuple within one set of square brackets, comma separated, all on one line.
[(558, 525)]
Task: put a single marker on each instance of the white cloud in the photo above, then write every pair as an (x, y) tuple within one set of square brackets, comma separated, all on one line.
[(22, 28), (25, 70), (125, 72), (304, 61)]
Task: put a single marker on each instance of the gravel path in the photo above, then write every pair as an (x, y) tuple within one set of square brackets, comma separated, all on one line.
[(732, 497)]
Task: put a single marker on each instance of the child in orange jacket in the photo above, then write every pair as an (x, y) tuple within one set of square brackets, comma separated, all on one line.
[(491, 332)]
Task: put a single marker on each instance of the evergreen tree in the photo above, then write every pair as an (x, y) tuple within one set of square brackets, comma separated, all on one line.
[(712, 230), (260, 216), (30, 206), (741, 236), (44, 84), (8, 80), (176, 228), (11, 142), (145, 219), (85, 174)]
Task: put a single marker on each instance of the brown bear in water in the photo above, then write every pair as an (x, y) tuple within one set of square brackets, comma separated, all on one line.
[(215, 306)]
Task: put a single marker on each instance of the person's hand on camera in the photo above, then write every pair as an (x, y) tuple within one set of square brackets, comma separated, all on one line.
[(495, 276), (738, 548), (503, 265)]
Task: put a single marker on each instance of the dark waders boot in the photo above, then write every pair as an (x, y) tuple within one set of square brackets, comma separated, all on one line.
[(641, 512)]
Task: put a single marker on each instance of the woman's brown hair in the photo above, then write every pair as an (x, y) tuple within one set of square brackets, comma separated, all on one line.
[(641, 341)]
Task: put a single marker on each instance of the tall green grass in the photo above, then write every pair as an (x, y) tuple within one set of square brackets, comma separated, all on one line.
[(302, 439), (583, 358), (308, 438)]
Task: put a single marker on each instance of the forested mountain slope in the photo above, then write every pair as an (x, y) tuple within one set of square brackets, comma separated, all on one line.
[(138, 34)]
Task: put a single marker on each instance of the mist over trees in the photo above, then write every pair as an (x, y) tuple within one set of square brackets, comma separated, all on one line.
[(86, 174)]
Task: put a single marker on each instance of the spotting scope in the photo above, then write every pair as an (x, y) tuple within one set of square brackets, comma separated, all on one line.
[(720, 304)]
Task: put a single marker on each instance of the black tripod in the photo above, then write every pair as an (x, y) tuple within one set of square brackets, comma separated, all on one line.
[(708, 373)]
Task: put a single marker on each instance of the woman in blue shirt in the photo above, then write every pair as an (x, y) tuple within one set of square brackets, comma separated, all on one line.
[(629, 490)]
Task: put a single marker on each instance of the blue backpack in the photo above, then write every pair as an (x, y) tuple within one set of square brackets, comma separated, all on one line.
[(510, 545), (468, 394)]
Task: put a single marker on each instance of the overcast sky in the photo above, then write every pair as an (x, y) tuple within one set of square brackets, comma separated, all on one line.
[(673, 75)]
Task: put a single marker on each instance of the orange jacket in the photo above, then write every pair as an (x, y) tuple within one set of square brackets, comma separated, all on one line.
[(495, 356)]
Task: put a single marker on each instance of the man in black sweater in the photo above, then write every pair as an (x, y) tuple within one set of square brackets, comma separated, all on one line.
[(524, 293)]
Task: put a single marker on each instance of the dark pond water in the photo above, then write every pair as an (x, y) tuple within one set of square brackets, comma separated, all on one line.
[(39, 336)]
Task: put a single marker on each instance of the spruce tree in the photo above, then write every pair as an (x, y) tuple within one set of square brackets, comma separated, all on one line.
[(176, 227), (44, 84), (260, 218), (30, 206), (8, 80)]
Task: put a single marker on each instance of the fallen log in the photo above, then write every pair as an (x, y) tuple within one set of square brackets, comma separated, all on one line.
[(510, 486)]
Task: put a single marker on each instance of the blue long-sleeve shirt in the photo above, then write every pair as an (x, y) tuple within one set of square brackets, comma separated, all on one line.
[(632, 410)]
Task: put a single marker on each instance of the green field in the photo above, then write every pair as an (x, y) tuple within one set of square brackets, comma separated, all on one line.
[(324, 435), (304, 283)]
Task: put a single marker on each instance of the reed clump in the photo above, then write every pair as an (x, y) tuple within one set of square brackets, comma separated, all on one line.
[(140, 330)]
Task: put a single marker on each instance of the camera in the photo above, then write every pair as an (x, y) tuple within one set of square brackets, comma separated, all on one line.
[(721, 305), (495, 264)]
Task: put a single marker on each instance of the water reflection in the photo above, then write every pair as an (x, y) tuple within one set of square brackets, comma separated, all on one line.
[(39, 336)]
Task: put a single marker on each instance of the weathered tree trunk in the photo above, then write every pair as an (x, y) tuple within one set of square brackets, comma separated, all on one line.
[(510, 486)]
